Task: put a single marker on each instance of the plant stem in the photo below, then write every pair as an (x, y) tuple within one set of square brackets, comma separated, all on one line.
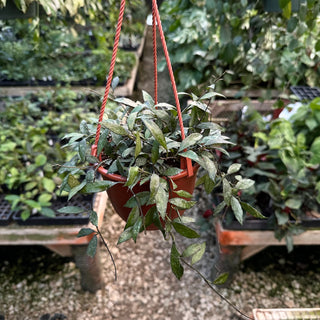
[(110, 254), (214, 289)]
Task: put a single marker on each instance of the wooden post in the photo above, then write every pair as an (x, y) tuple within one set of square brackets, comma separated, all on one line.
[(90, 268)]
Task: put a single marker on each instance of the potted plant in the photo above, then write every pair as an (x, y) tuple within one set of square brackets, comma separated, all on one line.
[(140, 151), (150, 153)]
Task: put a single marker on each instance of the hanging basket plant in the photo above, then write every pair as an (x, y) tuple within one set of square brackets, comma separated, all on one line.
[(151, 155)]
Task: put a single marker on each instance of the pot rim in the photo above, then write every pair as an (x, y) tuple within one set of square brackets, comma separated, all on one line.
[(118, 178)]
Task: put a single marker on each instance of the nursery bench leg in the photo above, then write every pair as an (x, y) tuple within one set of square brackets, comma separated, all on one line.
[(62, 250), (227, 259), (90, 268)]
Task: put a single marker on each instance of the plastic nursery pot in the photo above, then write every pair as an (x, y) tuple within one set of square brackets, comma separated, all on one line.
[(119, 194)]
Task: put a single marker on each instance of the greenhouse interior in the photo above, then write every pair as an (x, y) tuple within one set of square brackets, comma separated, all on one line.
[(180, 133)]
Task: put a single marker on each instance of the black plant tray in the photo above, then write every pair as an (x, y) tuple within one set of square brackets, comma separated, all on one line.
[(249, 224), (305, 93), (266, 224), (85, 202), (5, 211), (43, 83)]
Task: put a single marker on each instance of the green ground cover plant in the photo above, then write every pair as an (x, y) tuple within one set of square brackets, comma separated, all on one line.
[(30, 146)]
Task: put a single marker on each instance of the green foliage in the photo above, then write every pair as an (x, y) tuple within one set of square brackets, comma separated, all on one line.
[(77, 50), (155, 130), (31, 128), (242, 42), (282, 157)]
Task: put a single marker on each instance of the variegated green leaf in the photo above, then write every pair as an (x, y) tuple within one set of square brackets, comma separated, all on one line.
[(156, 132), (236, 208), (190, 140)]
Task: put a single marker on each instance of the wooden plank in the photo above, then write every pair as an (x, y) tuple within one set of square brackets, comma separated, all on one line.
[(236, 92), (262, 237), (122, 90), (62, 250), (250, 251), (15, 234), (230, 106)]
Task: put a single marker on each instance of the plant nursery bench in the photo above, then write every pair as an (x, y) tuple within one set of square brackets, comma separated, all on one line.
[(236, 245), (63, 240)]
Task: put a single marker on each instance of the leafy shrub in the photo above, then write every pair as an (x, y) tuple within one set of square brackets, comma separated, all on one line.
[(283, 158), (240, 40)]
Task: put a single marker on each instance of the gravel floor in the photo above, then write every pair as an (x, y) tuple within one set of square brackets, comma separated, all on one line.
[(35, 283)]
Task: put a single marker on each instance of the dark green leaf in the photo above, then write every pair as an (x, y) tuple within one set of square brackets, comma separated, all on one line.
[(85, 232), (155, 152), (125, 235), (176, 266), (208, 184), (172, 171), (185, 231), (84, 127), (98, 186), (136, 228), (139, 198), (292, 24), (133, 177), (133, 217), (94, 218), (76, 189), (90, 175), (103, 140), (92, 159), (116, 128), (92, 246), (219, 207), (152, 216), (252, 211), (82, 148)]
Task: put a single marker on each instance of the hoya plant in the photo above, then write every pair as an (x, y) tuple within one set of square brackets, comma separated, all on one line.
[(141, 142)]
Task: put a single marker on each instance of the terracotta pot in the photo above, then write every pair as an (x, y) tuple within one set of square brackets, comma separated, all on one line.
[(119, 194)]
